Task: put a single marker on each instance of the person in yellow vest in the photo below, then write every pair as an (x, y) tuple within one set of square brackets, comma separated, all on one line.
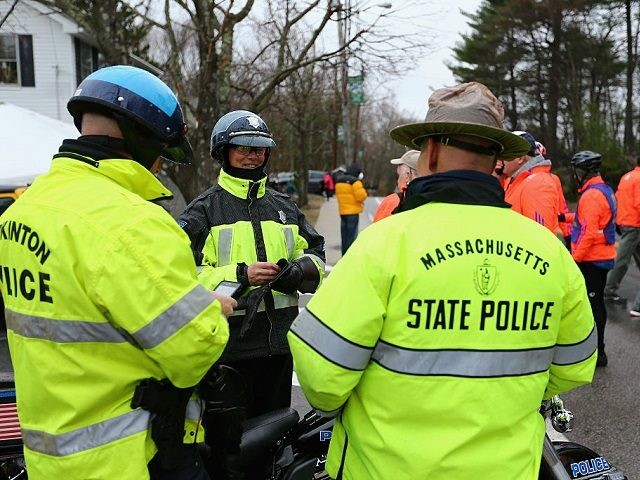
[(101, 290), (426, 341), (406, 169)]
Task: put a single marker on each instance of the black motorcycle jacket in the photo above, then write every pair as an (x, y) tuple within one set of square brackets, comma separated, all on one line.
[(237, 223)]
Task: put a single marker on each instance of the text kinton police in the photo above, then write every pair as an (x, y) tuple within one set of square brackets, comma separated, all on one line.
[(23, 282)]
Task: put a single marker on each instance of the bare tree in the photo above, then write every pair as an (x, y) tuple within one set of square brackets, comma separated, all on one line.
[(118, 27)]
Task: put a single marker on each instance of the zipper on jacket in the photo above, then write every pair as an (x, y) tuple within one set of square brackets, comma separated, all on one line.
[(344, 451), (261, 250)]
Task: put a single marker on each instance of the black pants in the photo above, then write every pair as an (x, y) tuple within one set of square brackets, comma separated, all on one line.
[(596, 278), (193, 471), (268, 382)]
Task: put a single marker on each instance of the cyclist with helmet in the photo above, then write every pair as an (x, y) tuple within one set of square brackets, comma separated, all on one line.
[(593, 235), (242, 231), (101, 289), (529, 188)]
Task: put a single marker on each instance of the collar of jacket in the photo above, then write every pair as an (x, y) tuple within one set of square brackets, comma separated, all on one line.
[(591, 181), (536, 161), (239, 187), (127, 173), (456, 186)]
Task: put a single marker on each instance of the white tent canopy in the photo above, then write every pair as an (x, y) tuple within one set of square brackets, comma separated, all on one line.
[(28, 140)]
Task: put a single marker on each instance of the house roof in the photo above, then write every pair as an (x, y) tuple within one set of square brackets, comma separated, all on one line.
[(68, 25), (28, 141)]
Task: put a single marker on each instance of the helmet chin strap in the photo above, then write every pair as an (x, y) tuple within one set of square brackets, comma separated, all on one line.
[(581, 179)]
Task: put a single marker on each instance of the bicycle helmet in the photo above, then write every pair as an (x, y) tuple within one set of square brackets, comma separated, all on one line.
[(588, 163), (147, 111), (542, 150), (240, 127), (533, 149)]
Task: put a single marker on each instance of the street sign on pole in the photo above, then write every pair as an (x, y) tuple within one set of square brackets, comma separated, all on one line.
[(356, 89)]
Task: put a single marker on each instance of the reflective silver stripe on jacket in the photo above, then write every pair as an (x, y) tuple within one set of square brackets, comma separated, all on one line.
[(463, 363), (577, 352), (329, 344), (85, 438), (290, 241), (62, 331), (225, 240), (279, 301), (173, 319)]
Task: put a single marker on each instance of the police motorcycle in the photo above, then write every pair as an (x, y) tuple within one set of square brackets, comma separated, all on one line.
[(287, 448), (568, 460), (281, 446), (277, 445)]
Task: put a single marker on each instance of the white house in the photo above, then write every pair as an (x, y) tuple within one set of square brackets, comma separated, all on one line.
[(43, 57)]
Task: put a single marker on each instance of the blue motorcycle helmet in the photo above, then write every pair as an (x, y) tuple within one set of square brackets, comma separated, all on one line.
[(146, 110), (241, 127)]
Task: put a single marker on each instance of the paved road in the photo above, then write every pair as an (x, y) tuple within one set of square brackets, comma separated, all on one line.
[(606, 412)]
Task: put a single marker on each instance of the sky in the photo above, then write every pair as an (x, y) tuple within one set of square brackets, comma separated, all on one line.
[(447, 23)]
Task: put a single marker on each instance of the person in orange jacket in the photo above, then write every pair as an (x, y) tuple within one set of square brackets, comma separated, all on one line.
[(407, 166), (628, 220), (351, 194), (530, 189), (593, 235), (564, 220)]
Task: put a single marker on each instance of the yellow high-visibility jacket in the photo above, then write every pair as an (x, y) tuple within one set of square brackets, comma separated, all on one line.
[(436, 337), (101, 292)]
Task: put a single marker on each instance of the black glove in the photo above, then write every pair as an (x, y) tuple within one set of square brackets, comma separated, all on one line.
[(289, 278)]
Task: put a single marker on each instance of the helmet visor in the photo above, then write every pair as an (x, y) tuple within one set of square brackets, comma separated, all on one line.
[(178, 151), (251, 139)]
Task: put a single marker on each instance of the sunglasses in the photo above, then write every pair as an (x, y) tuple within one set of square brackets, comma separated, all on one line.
[(246, 150)]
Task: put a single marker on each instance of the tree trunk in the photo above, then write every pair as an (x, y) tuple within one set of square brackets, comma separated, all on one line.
[(554, 78), (629, 138)]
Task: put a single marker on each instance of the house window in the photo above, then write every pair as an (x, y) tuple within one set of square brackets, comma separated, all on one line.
[(87, 60), (16, 60), (8, 59)]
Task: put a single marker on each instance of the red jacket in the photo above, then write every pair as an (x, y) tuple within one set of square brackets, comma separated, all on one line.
[(628, 197), (594, 214), (533, 194)]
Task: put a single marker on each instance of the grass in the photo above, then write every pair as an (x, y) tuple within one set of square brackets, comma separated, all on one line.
[(312, 208)]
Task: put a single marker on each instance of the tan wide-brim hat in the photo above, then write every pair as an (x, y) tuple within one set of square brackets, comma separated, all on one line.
[(466, 109)]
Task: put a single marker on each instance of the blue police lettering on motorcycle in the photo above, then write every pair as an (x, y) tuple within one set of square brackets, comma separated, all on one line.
[(325, 435), (586, 467)]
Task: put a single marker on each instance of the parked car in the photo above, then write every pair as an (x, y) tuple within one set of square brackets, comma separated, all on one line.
[(280, 180), (316, 181)]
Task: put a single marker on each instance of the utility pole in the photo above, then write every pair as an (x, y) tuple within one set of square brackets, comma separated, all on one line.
[(344, 70)]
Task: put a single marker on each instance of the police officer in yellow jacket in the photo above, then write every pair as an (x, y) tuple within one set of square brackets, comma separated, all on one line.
[(241, 231), (437, 336), (100, 287)]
